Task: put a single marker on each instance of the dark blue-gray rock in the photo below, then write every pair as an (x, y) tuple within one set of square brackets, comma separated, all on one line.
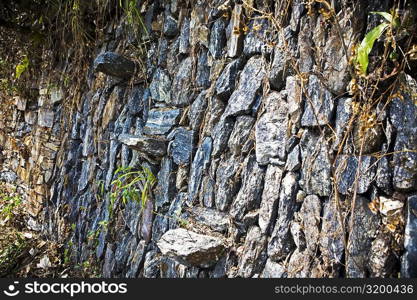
[(136, 104), (254, 253), (85, 175), (220, 135), (227, 181), (270, 197), (249, 196), (165, 190), (109, 263), (217, 38), (332, 245), (156, 148), (181, 147), (160, 121), (122, 252), (316, 167), (346, 169), (281, 242), (160, 86), (213, 114), (279, 68), (114, 64), (271, 131), (170, 26), (384, 175), (197, 110), (343, 116), (174, 214), (365, 225), (305, 46), (181, 84), (257, 37), (319, 104), (151, 265), (296, 13), (273, 270), (216, 220), (9, 176), (382, 261), (137, 259), (184, 44), (249, 86), (309, 215), (225, 84), (239, 139), (200, 164), (293, 160), (295, 100), (202, 78), (409, 258), (190, 248)]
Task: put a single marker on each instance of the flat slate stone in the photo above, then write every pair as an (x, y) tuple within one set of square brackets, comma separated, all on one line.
[(114, 64), (190, 248), (160, 121)]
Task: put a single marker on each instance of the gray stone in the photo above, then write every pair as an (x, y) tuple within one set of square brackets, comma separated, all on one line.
[(254, 253), (202, 78), (310, 219), (184, 43), (154, 147), (240, 137), (200, 164), (295, 100), (250, 83), (217, 38), (281, 242), (160, 121), (227, 181), (170, 26), (114, 64), (221, 133), (46, 118), (235, 41), (382, 260), (273, 270), (109, 263), (181, 147), (181, 84), (225, 83), (160, 86), (249, 195), (293, 160), (137, 259), (384, 175), (191, 249), (197, 110), (279, 68), (319, 104), (151, 266), (271, 131), (216, 220), (346, 173), (343, 116), (270, 197), (316, 168), (256, 40), (165, 190), (365, 225), (409, 259)]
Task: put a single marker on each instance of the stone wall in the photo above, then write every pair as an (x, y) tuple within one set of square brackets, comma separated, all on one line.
[(246, 126)]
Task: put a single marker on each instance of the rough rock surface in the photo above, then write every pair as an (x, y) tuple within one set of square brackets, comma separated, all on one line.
[(190, 248), (251, 132)]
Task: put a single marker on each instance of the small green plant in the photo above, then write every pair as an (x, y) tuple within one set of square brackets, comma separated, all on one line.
[(129, 184), (8, 205), (365, 47), (22, 67)]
